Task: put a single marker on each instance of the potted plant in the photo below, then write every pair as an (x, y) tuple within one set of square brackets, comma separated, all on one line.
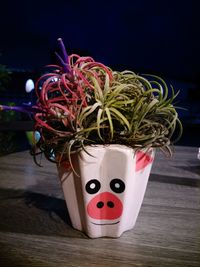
[(101, 127)]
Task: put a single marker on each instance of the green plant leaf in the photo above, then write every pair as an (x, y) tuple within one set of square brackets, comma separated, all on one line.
[(110, 122), (120, 116)]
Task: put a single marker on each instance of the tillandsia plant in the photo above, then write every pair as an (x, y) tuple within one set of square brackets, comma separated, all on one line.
[(82, 102)]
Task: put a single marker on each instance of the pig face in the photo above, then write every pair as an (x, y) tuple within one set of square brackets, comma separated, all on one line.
[(106, 194), (105, 205)]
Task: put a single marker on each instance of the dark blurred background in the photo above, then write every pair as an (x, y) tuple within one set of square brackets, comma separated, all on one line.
[(159, 37)]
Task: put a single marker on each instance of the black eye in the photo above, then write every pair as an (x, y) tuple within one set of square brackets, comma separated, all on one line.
[(117, 185), (93, 186)]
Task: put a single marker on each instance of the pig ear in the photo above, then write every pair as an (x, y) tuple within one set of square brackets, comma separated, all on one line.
[(93, 186), (142, 160)]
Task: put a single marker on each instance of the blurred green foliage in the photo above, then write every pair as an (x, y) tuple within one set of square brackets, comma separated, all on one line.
[(4, 77), (9, 140)]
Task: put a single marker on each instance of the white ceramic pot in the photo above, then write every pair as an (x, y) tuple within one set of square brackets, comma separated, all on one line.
[(105, 199)]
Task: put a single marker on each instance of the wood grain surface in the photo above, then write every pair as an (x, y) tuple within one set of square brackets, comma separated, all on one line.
[(35, 228)]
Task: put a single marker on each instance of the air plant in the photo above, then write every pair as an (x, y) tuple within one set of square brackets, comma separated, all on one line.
[(82, 102)]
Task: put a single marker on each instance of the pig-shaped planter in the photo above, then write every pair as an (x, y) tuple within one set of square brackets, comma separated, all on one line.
[(106, 196)]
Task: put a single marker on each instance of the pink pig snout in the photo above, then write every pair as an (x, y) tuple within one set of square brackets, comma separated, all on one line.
[(105, 206)]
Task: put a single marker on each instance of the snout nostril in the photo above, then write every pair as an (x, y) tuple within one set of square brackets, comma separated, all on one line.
[(100, 205), (110, 204)]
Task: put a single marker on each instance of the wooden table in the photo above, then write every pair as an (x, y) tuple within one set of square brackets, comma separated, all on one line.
[(35, 230)]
